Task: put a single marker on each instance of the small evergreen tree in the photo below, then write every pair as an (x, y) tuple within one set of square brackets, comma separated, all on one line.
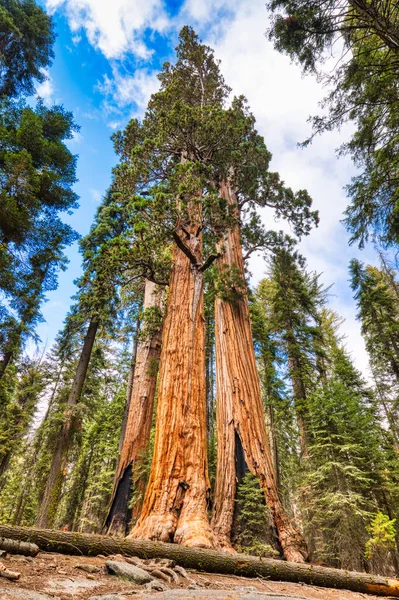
[(252, 516)]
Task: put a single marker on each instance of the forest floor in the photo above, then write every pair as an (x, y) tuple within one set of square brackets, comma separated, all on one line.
[(52, 576)]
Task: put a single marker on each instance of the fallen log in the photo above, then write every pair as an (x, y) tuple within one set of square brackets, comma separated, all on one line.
[(18, 547), (211, 561)]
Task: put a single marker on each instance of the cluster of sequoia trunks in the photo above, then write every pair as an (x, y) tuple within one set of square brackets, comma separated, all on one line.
[(176, 500)]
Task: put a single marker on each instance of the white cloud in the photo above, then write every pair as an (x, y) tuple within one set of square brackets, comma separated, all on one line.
[(114, 125), (114, 27), (77, 138), (127, 90), (205, 11), (46, 90), (95, 195)]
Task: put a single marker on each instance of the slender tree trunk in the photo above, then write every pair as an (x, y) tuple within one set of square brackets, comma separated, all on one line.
[(240, 415), (300, 397), (136, 438), (271, 430), (270, 421), (385, 340), (55, 478), (175, 504), (5, 362), (129, 388)]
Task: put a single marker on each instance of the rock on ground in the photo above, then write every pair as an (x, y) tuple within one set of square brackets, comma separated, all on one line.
[(88, 568), (127, 571), (156, 586)]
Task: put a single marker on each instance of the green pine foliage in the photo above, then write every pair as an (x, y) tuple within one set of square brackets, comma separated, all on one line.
[(383, 533), (37, 174), (19, 407), (170, 173), (252, 531), (334, 438), (361, 89), (26, 46), (291, 300), (349, 471), (377, 301)]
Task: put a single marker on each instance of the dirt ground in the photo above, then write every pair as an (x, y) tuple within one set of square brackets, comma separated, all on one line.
[(51, 576)]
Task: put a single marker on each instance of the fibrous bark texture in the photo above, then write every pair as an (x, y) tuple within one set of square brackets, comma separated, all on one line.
[(55, 478), (138, 426), (201, 559), (175, 504), (240, 415)]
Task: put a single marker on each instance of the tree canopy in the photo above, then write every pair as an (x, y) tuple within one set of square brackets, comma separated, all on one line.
[(363, 38), (26, 46)]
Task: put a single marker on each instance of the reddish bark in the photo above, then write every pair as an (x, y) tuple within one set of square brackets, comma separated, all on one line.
[(240, 415), (175, 504), (138, 426)]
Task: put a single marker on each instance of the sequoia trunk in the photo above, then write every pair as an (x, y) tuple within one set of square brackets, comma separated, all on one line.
[(175, 504), (138, 426), (52, 492), (240, 415)]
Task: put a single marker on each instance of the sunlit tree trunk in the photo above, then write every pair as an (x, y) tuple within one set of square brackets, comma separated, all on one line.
[(136, 436), (175, 504), (55, 478), (300, 396), (240, 417)]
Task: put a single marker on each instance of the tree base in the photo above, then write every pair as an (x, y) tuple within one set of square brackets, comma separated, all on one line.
[(193, 533)]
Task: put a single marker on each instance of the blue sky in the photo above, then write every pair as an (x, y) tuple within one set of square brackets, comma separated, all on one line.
[(107, 55)]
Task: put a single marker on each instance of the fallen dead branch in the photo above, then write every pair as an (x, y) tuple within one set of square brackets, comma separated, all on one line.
[(12, 575)]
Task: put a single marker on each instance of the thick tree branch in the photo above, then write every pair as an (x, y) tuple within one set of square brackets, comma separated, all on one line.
[(209, 261), (180, 244)]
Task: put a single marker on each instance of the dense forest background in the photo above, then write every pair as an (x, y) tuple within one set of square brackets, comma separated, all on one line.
[(77, 422)]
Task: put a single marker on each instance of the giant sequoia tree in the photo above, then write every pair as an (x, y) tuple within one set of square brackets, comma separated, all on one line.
[(189, 163), (242, 437), (185, 125)]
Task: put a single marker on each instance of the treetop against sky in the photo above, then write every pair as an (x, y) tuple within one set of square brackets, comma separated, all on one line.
[(107, 56)]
